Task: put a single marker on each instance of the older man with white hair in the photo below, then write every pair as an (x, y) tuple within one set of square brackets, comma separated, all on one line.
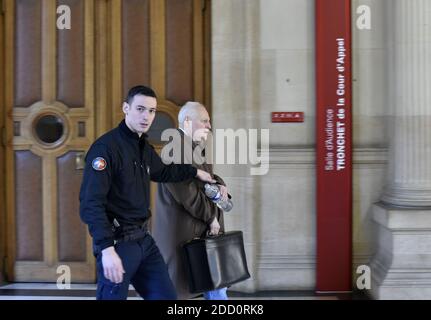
[(183, 211)]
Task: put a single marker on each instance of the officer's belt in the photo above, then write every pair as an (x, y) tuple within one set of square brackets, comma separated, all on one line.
[(130, 232), (138, 234)]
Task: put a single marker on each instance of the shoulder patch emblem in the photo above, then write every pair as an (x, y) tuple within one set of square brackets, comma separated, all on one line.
[(99, 164)]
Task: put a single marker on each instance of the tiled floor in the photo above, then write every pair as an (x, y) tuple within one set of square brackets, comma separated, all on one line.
[(49, 291)]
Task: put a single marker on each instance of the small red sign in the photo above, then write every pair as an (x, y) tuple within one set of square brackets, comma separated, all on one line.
[(287, 117)]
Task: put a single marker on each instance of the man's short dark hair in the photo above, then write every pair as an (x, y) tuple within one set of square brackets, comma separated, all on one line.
[(142, 90)]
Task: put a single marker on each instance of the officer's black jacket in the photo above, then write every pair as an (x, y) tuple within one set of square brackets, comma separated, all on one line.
[(122, 189)]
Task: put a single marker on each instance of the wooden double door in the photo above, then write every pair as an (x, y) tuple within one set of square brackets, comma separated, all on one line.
[(61, 88)]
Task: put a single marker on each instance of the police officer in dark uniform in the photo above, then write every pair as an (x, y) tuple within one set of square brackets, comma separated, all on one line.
[(115, 200)]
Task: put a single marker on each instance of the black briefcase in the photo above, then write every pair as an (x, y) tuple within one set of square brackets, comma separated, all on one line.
[(215, 262)]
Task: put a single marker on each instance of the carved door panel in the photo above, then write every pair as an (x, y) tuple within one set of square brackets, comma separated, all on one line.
[(50, 108), (64, 88)]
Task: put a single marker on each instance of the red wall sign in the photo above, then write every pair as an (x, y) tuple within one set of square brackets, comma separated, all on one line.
[(334, 150), (287, 117)]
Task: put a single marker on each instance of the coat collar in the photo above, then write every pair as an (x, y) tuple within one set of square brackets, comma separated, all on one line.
[(188, 138), (133, 135)]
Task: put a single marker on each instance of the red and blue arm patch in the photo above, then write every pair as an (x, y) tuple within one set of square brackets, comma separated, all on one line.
[(99, 164)]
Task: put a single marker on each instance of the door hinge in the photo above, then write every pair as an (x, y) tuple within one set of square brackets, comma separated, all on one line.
[(4, 268), (2, 7), (3, 137), (203, 5)]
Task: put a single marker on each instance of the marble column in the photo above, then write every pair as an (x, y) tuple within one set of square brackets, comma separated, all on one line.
[(409, 174), (401, 267)]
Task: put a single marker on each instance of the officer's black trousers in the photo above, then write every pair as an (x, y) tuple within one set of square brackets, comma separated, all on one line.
[(145, 269)]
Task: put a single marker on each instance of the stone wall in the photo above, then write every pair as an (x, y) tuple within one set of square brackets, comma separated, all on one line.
[(263, 56)]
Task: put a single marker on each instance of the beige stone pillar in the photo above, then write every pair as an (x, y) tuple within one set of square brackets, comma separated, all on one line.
[(409, 174), (401, 267)]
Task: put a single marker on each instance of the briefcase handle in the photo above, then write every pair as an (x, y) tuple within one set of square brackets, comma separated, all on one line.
[(207, 234)]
